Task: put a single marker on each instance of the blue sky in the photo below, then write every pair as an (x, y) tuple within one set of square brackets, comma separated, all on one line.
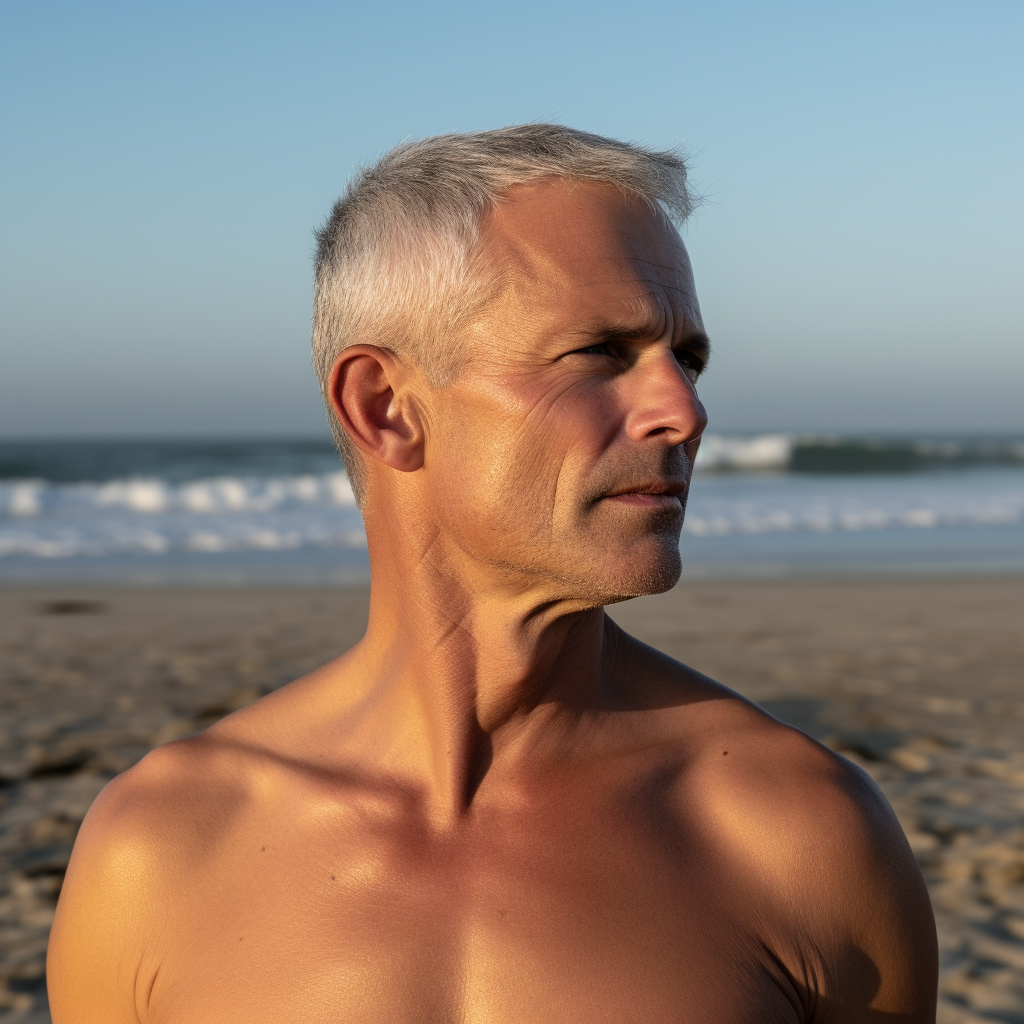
[(859, 258)]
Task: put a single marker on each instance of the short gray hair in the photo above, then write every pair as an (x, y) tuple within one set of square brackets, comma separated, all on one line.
[(395, 261)]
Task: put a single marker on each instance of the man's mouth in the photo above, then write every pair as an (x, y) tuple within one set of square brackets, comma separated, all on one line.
[(650, 495)]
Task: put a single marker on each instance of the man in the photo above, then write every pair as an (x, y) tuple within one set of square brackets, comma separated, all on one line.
[(498, 807)]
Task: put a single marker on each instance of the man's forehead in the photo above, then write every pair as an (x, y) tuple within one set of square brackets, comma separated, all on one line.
[(588, 237), (569, 220)]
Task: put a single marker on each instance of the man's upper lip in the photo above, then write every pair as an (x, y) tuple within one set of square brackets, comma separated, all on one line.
[(673, 487)]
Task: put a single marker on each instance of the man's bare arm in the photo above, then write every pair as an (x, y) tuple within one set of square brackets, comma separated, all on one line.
[(89, 964), (889, 974)]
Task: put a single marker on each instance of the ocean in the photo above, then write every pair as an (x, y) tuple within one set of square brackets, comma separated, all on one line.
[(282, 511)]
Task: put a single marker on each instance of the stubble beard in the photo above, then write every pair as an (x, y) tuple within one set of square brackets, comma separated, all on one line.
[(609, 568), (641, 572), (608, 555)]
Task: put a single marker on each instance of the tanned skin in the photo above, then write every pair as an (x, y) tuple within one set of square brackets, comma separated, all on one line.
[(498, 807)]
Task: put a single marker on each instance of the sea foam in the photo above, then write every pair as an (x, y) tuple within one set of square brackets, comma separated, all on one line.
[(288, 513), (744, 487)]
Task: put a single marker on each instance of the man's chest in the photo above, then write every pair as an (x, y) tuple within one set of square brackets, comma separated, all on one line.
[(553, 926)]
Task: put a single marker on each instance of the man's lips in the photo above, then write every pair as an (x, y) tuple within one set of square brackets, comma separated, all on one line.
[(649, 495)]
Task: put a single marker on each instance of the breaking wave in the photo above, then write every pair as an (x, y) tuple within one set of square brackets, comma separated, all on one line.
[(730, 506), (842, 455), (152, 516), (156, 516)]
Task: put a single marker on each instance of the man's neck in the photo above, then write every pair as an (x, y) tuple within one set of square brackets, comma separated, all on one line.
[(469, 667)]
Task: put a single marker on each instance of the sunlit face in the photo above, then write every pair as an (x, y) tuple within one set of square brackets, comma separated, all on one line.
[(561, 455)]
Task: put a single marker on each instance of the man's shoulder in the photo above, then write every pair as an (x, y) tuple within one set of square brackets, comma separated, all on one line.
[(185, 799), (800, 838), (143, 838), (754, 777), (805, 836), (162, 811), (767, 794), (774, 792)]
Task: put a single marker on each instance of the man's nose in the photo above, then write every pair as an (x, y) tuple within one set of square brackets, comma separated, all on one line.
[(663, 402)]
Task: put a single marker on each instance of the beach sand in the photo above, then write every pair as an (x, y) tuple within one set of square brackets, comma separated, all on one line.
[(919, 681)]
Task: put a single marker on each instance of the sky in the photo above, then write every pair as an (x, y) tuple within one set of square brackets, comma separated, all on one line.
[(859, 255)]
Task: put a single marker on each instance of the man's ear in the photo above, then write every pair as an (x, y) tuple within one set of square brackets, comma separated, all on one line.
[(379, 415)]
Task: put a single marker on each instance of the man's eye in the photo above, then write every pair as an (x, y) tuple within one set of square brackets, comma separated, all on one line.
[(592, 350), (689, 361)]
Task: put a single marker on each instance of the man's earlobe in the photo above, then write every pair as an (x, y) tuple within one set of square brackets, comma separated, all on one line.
[(367, 394)]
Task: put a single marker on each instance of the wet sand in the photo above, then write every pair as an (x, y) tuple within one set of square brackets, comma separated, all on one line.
[(919, 681)]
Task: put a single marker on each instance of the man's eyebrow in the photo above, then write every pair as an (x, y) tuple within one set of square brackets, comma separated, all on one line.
[(696, 341), (640, 329)]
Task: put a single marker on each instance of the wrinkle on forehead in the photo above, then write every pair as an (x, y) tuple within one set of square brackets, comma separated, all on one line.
[(579, 250), (644, 310)]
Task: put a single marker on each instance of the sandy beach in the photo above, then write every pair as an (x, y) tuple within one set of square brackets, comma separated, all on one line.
[(920, 681)]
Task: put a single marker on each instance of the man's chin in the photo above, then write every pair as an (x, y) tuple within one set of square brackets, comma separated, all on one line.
[(636, 574), (656, 581)]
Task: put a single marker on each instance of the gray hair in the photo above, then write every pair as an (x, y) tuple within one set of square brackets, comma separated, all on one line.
[(398, 262)]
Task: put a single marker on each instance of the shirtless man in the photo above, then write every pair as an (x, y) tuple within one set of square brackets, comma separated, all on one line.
[(498, 807)]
